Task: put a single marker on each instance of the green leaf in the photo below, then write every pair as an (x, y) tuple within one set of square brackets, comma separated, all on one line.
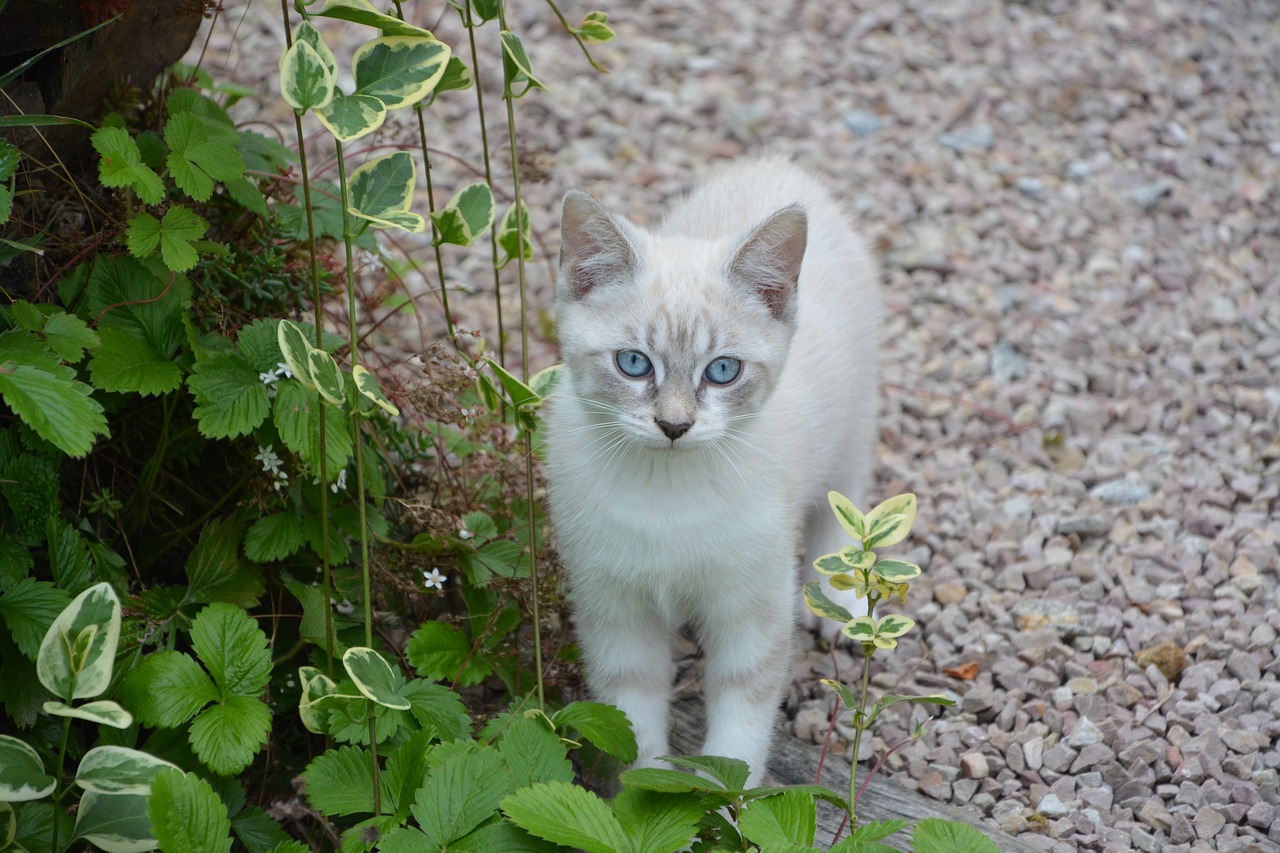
[(732, 773), (186, 815), (842, 691), (382, 191), (121, 165), (226, 737), (128, 364), (174, 234), (29, 608), (667, 781), (116, 823), (438, 709), (79, 649), (297, 414), (230, 398), (830, 564), (274, 537), (367, 384), (533, 754), (594, 28), (258, 833), (443, 653), (69, 557), (787, 818), (247, 195), (8, 826), (513, 240), (195, 160), (861, 629), (69, 336), (938, 699), (399, 70), (816, 600), (462, 791), (877, 829), (657, 823), (51, 401), (306, 80), (166, 689), (516, 66), (604, 725), (894, 625), (339, 782), (374, 678), (467, 215), (215, 571), (349, 117), (363, 12), (316, 687), (544, 381), (9, 160), (519, 393), (119, 770), (850, 518), (307, 32), (104, 712), (934, 835), (890, 522), (296, 350), (125, 293), (325, 376), (896, 571), (22, 775), (498, 836), (457, 77), (233, 648), (567, 815)]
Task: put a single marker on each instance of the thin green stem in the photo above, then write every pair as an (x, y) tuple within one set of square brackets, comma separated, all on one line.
[(469, 23), (859, 723), (564, 22), (318, 315), (435, 232), (358, 447), (524, 373), (57, 775)]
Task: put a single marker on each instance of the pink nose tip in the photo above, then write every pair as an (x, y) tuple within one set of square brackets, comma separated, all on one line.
[(673, 431)]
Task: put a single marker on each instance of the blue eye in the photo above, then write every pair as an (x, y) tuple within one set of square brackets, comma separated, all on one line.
[(633, 363), (723, 370)]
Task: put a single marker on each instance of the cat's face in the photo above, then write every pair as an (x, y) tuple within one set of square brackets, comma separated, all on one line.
[(674, 343)]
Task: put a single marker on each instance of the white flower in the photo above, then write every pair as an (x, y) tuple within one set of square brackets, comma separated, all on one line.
[(340, 483), (268, 377), (434, 578), (270, 462), (463, 532), (282, 369)]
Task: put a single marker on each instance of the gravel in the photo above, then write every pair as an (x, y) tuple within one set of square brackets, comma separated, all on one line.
[(1078, 204)]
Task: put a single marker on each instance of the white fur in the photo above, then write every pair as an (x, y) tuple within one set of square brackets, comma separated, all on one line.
[(705, 529)]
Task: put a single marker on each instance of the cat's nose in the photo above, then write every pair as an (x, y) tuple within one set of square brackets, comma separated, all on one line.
[(672, 431)]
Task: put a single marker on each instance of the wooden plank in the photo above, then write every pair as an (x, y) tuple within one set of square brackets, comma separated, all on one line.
[(794, 762)]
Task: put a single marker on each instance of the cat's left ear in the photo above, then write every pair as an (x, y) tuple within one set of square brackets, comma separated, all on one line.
[(768, 262)]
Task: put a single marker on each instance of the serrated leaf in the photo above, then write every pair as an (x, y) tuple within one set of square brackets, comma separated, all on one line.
[(166, 689), (462, 791), (499, 835), (438, 709), (934, 835), (119, 770), (187, 816), (227, 736), (69, 336), (9, 160), (516, 66), (326, 376), (382, 192), (29, 608), (399, 70), (339, 782), (816, 600), (22, 775), (567, 815), (349, 117), (787, 818), (297, 414), (533, 754), (604, 725), (657, 822), (53, 403), (368, 386), (274, 537), (732, 773), (215, 571), (230, 398), (196, 159), (850, 518), (126, 363), (116, 823), (306, 80), (79, 649), (374, 678), (258, 833), (364, 12), (121, 165), (233, 648), (442, 652), (104, 712), (246, 194), (667, 781)]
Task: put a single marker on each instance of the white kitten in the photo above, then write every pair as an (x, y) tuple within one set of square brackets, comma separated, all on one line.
[(719, 380)]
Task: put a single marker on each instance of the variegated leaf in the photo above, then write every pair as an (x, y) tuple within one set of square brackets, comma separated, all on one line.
[(382, 192), (79, 649), (367, 384), (399, 70), (887, 530), (326, 376), (904, 505), (861, 629), (104, 712), (118, 770), (306, 83), (296, 351), (850, 518), (816, 600), (349, 117), (364, 12), (22, 775), (856, 558), (831, 564), (846, 696), (374, 678), (894, 625), (897, 571)]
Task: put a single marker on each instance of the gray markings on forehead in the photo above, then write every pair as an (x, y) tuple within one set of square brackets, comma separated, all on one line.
[(683, 333)]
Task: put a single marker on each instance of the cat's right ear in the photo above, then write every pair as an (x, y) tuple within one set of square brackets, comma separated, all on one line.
[(594, 251)]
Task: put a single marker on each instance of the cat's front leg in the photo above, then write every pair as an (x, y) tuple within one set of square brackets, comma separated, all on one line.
[(748, 662), (629, 664)]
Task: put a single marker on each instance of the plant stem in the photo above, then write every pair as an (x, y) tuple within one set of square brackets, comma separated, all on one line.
[(358, 447), (435, 232), (469, 23), (57, 775), (524, 371), (859, 720)]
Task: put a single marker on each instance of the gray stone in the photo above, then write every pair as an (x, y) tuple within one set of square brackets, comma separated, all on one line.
[(979, 137), (1122, 492), (1208, 823), (1155, 815), (1261, 815), (1085, 733), (863, 123), (1051, 806), (973, 765)]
